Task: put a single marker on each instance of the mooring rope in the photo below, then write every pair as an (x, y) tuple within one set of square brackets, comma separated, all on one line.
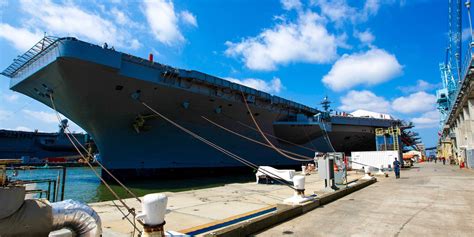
[(217, 147), (326, 136), (281, 139), (305, 158), (129, 209), (106, 170), (261, 132)]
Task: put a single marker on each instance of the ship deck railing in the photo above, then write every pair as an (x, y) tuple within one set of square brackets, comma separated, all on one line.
[(35, 52)]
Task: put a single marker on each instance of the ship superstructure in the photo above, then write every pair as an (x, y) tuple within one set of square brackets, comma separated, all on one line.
[(97, 86)]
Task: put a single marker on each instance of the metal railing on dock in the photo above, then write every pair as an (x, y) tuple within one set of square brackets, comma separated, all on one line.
[(55, 186)]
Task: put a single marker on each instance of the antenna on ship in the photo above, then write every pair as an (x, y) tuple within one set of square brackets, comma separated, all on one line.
[(63, 125), (326, 103)]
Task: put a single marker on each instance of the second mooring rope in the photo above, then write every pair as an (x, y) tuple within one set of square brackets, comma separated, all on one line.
[(217, 147), (305, 158), (262, 134)]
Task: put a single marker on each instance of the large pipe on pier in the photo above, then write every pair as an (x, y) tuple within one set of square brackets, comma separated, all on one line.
[(20, 217)]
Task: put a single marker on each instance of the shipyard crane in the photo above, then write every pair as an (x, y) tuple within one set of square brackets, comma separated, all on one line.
[(452, 70)]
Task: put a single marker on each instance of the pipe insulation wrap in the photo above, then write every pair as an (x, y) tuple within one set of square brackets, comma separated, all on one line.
[(77, 216)]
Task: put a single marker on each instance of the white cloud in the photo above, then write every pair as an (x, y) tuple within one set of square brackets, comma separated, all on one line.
[(427, 120), (369, 68), (163, 21), (41, 115), (291, 4), (421, 85), (273, 86), (365, 37), (365, 100), (71, 20), (341, 41), (371, 7), (23, 128), (339, 11), (417, 102), (135, 44), (306, 40), (336, 10), (5, 114), (120, 17), (21, 38), (188, 18), (11, 97)]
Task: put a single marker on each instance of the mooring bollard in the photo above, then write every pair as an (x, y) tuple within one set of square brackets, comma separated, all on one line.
[(153, 215), (298, 196), (381, 171), (367, 171)]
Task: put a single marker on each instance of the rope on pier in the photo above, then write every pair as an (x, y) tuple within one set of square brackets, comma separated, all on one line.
[(326, 137), (129, 209), (305, 158), (215, 146)]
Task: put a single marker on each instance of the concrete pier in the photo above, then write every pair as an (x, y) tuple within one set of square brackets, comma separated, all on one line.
[(429, 200), (199, 210)]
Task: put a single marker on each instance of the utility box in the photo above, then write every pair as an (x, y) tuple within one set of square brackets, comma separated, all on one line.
[(374, 159), (326, 171), (323, 170), (340, 170)]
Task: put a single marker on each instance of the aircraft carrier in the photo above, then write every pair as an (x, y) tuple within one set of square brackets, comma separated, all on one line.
[(97, 87), (34, 147)]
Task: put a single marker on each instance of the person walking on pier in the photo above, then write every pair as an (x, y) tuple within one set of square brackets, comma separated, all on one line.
[(396, 168), (444, 161)]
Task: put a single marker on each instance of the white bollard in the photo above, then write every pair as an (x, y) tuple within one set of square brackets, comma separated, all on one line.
[(367, 171), (303, 169), (298, 197), (153, 214), (299, 182), (381, 171)]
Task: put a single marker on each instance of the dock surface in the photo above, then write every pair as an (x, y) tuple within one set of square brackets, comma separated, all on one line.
[(429, 200), (193, 210)]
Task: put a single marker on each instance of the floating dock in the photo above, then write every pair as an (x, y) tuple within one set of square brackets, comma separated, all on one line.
[(223, 209)]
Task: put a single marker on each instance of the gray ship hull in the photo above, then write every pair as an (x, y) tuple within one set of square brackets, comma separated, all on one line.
[(94, 87)]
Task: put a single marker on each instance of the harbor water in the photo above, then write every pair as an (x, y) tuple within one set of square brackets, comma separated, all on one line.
[(83, 185)]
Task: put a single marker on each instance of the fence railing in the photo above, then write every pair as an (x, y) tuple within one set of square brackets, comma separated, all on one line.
[(40, 48), (466, 67)]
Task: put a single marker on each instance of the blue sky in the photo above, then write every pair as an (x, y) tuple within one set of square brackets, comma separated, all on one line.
[(378, 55)]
